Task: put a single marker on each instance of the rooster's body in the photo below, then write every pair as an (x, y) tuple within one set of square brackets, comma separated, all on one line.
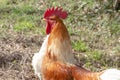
[(55, 60)]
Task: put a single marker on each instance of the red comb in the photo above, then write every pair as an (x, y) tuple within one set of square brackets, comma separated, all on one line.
[(55, 11)]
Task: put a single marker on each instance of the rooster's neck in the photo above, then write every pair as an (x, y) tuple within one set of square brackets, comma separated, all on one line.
[(59, 45)]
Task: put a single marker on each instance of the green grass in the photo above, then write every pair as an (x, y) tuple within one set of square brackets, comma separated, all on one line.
[(80, 46), (24, 25)]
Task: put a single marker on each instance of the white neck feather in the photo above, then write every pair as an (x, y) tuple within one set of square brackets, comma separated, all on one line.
[(62, 51)]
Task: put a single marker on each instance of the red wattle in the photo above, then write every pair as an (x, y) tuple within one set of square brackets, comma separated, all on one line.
[(48, 28)]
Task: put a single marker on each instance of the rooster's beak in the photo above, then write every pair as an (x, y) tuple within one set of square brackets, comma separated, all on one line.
[(43, 19)]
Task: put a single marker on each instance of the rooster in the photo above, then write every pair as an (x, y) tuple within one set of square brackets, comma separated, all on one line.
[(55, 60)]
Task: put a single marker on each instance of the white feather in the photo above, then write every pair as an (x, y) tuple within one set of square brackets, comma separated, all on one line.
[(110, 74), (38, 57)]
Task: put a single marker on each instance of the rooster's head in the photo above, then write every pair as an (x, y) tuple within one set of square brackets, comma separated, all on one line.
[(51, 15)]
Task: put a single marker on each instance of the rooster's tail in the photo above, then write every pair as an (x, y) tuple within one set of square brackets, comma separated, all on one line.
[(110, 74)]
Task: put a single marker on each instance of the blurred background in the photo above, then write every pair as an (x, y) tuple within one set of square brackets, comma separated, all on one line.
[(94, 27)]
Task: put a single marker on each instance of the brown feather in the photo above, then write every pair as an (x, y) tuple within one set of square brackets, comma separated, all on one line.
[(80, 73), (59, 44), (55, 70), (58, 63), (55, 65)]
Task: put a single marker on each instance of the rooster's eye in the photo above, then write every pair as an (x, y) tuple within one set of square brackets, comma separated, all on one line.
[(52, 19)]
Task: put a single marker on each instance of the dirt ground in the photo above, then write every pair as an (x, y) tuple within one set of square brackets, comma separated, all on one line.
[(16, 51)]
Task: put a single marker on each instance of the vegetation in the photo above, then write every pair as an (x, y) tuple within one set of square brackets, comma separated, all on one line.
[(94, 27)]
